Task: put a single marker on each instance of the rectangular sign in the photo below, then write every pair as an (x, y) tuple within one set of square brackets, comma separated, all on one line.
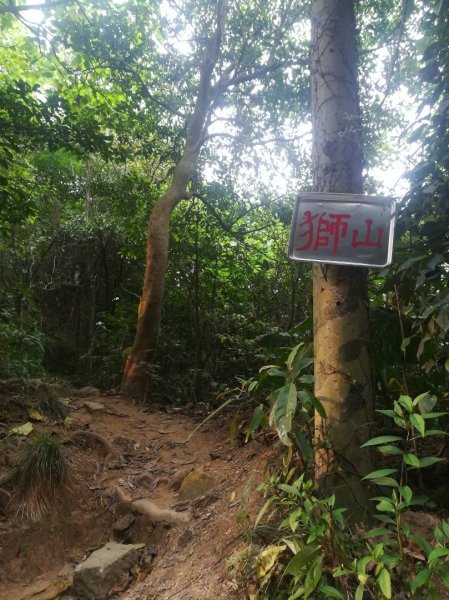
[(344, 229)]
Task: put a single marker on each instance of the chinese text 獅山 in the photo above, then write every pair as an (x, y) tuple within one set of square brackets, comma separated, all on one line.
[(326, 230)]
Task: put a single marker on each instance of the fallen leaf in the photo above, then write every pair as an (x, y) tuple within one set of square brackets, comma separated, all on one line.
[(267, 559), (24, 429), (35, 415)]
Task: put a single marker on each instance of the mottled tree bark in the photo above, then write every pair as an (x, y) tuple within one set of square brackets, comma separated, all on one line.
[(343, 379), (135, 376)]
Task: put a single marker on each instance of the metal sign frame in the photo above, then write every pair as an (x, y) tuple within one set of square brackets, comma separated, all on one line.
[(337, 215)]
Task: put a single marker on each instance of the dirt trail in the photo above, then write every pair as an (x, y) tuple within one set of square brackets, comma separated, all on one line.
[(148, 460)]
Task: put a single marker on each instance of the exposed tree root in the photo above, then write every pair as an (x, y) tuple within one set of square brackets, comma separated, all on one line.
[(80, 437), (151, 510)]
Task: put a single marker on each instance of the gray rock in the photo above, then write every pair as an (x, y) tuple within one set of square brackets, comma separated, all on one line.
[(195, 484), (94, 577), (93, 406)]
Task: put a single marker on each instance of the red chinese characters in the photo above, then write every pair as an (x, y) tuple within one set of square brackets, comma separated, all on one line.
[(326, 230)]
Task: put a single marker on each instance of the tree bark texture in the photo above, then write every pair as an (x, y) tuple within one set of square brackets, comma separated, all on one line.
[(343, 378), (136, 376)]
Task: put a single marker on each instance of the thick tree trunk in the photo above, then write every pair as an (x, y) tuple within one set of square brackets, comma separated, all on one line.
[(135, 377), (343, 380)]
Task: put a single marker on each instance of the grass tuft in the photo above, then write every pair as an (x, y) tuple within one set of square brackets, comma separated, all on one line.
[(43, 476), (53, 408)]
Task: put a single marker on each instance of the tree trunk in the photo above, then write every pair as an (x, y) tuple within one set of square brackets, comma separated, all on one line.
[(343, 378), (135, 376)]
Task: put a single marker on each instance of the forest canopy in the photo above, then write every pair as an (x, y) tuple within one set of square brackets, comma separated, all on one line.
[(97, 101)]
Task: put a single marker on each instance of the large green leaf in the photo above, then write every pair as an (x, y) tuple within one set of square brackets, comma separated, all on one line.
[(383, 439), (303, 445), (305, 556), (380, 473), (418, 423), (384, 580), (282, 412)]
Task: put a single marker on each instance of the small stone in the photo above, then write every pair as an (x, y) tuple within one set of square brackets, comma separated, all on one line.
[(195, 484), (94, 577), (124, 523)]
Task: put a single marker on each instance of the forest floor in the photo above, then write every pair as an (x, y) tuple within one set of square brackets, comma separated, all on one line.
[(112, 443)]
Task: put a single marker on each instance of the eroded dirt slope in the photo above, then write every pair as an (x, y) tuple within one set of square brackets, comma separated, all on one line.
[(141, 451)]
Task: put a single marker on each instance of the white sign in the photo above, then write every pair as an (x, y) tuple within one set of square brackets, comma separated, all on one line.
[(344, 229)]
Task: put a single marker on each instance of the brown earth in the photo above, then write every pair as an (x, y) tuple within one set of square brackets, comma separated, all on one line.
[(141, 451)]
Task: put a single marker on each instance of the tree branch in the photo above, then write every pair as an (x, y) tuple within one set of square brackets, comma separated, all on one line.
[(238, 235), (4, 9)]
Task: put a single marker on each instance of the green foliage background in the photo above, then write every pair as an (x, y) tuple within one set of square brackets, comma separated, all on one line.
[(92, 104)]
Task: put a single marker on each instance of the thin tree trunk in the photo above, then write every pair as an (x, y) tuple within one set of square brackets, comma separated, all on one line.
[(343, 379), (135, 376)]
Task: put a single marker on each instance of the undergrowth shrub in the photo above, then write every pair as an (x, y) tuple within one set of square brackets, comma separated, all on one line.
[(314, 553), (21, 345)]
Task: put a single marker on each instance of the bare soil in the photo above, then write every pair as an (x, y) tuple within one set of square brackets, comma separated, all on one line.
[(141, 451)]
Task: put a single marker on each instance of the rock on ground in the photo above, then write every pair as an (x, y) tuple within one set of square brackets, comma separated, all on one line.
[(94, 577), (195, 484)]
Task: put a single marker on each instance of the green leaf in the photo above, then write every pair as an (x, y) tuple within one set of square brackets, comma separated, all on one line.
[(387, 413), (406, 402), (297, 594), (435, 415), (303, 445), (263, 510), (406, 493), (445, 526), (383, 439), (384, 580), (384, 519), (275, 372), (289, 489), (411, 459), (282, 412), (385, 506), (257, 419), (328, 591), (252, 386), (439, 536), (306, 379), (359, 592), (420, 579), (302, 327), (437, 553), (318, 406), (446, 365), (305, 556), (376, 532), (425, 402), (406, 342), (394, 450), (379, 473), (418, 423), (292, 355), (389, 481), (427, 461)]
